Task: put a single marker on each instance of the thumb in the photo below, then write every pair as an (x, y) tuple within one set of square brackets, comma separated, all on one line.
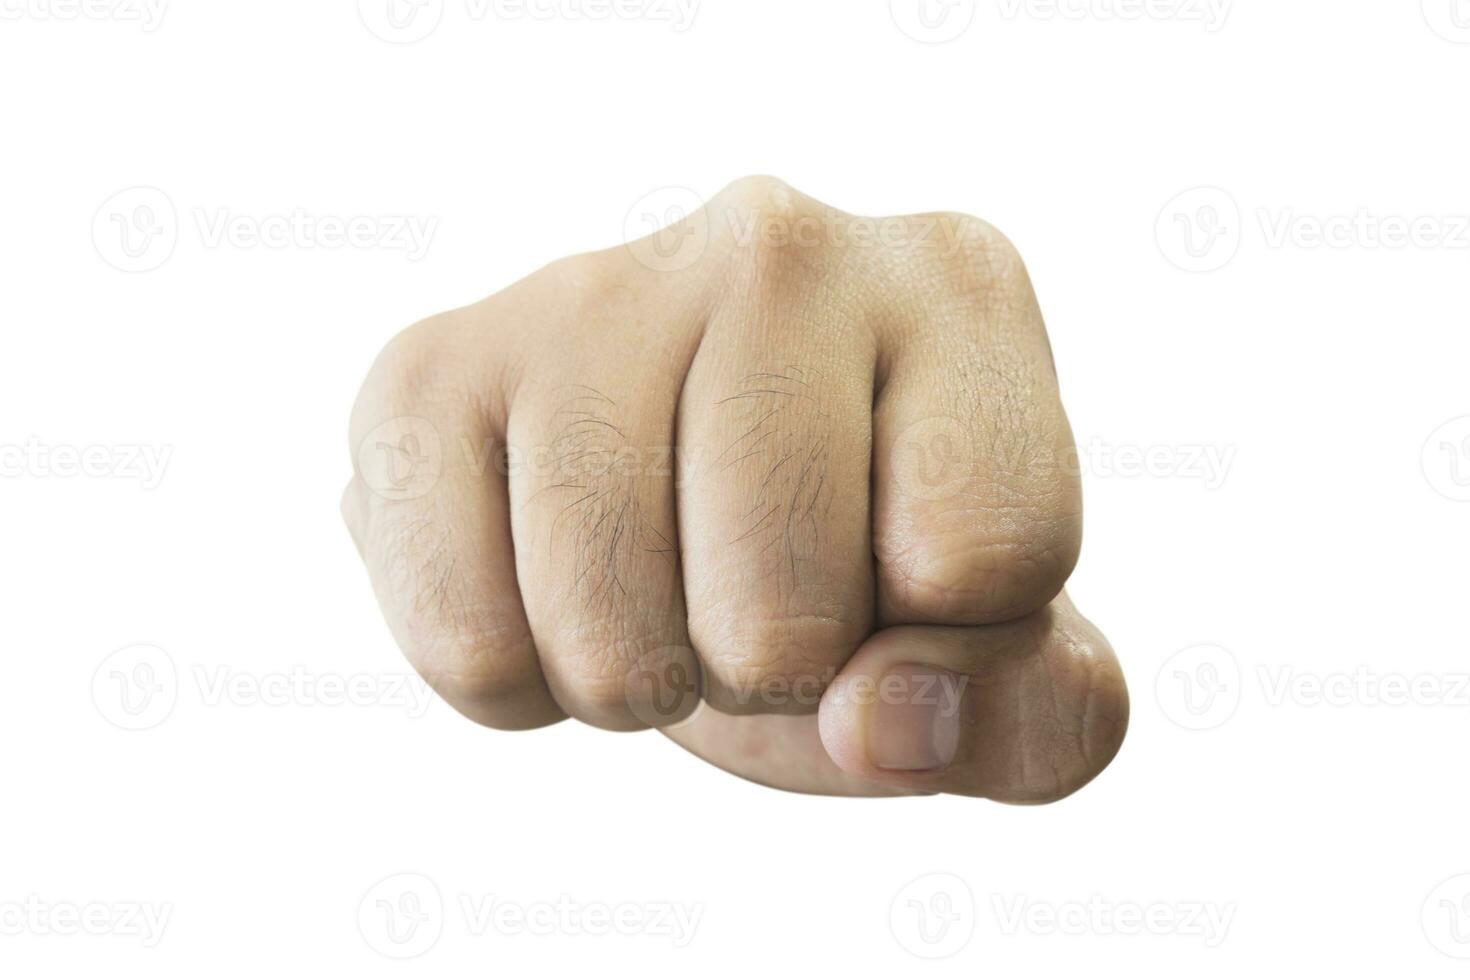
[(1027, 711)]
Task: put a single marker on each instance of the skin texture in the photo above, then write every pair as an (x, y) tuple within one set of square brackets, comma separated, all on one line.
[(793, 486)]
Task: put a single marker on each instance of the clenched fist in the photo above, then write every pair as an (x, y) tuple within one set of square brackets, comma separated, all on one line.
[(793, 486)]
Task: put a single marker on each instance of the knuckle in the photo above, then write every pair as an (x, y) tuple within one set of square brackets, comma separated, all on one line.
[(978, 242), (776, 237), (423, 361), (982, 575), (473, 669), (759, 193), (964, 255), (776, 664), (452, 631), (415, 352), (582, 285), (601, 680)]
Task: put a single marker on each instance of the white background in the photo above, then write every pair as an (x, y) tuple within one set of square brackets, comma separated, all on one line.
[(1327, 829)]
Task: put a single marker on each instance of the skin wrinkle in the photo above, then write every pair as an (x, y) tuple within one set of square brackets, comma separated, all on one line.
[(421, 574), (995, 585), (1058, 733), (606, 517), (779, 413)]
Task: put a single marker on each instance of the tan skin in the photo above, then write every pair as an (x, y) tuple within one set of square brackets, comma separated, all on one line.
[(794, 487)]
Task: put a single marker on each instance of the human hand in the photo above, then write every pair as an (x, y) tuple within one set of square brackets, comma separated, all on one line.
[(793, 486)]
